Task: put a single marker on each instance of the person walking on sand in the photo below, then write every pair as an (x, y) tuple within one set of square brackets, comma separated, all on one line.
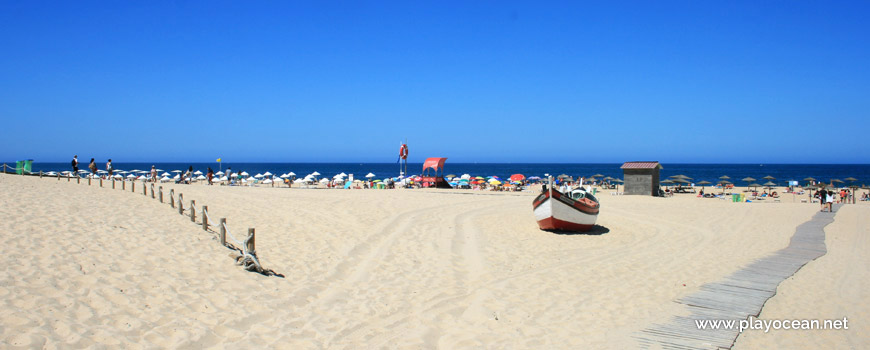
[(830, 200), (210, 175), (93, 167), (75, 165), (153, 174), (109, 168), (823, 195)]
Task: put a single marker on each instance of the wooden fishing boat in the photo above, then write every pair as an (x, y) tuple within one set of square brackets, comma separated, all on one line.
[(576, 210)]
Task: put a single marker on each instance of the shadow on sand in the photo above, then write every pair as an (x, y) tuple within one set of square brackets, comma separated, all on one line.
[(596, 230)]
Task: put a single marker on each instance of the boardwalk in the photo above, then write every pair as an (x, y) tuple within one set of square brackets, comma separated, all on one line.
[(739, 295)]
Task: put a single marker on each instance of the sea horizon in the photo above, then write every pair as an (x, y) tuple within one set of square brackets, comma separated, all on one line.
[(697, 171)]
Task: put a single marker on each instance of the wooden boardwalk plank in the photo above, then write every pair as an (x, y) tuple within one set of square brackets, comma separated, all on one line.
[(739, 295)]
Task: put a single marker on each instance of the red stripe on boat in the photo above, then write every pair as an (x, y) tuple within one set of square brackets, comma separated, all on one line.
[(554, 224)]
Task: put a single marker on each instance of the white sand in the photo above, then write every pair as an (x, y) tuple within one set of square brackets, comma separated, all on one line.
[(90, 266)]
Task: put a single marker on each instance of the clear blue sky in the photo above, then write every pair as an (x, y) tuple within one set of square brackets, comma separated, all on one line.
[(475, 81)]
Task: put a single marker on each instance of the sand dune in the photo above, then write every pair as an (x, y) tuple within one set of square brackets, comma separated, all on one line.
[(90, 266)]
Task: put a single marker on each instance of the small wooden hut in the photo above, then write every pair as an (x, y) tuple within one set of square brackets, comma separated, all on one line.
[(641, 178)]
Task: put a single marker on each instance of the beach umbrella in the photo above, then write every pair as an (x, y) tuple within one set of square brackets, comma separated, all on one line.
[(194, 173), (164, 179), (118, 176), (703, 184), (258, 175), (597, 175), (495, 182), (219, 173), (450, 176), (131, 176), (298, 181), (851, 180), (244, 173), (135, 171), (267, 181), (753, 185), (315, 173), (517, 177), (284, 176), (267, 174), (370, 175), (724, 177), (748, 179), (165, 174), (835, 180), (174, 171), (201, 177), (465, 176), (769, 185)]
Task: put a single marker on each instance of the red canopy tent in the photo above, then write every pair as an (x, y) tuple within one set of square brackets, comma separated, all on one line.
[(436, 179)]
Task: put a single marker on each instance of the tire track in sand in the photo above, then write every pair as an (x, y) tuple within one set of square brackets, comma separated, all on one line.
[(467, 268)]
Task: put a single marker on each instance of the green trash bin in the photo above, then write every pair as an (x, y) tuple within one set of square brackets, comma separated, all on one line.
[(23, 166), (735, 197), (594, 190)]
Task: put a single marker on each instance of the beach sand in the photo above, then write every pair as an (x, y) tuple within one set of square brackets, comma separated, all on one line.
[(89, 266)]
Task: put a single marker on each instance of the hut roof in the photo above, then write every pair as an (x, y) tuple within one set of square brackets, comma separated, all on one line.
[(641, 165)]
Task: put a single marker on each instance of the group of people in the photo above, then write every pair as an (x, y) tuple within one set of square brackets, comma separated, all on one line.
[(92, 166), (828, 197)]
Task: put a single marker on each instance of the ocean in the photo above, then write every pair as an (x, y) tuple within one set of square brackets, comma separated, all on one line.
[(698, 172)]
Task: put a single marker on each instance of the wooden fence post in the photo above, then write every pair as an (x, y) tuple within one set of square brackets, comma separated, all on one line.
[(133, 186), (172, 198), (40, 174), (101, 182), (192, 210), (89, 180), (144, 189), (223, 231), (78, 179), (205, 218), (180, 203), (250, 243), (113, 183), (124, 184), (161, 194), (152, 191)]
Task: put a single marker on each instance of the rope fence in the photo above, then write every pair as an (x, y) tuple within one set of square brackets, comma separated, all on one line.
[(247, 257)]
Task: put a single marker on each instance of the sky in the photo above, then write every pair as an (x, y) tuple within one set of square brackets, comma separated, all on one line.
[(474, 81)]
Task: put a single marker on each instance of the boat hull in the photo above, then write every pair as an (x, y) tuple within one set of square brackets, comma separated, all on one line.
[(560, 213)]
